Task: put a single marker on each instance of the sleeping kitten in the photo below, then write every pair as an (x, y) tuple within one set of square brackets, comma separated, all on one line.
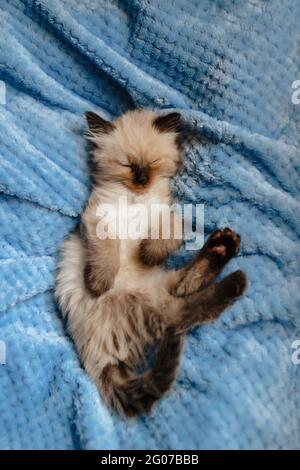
[(115, 293)]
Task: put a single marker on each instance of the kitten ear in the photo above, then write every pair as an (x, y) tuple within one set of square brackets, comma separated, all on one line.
[(98, 124), (168, 123)]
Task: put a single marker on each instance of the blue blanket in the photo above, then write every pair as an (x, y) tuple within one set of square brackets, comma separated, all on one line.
[(228, 67)]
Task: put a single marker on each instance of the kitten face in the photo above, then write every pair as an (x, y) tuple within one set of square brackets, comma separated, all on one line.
[(136, 150)]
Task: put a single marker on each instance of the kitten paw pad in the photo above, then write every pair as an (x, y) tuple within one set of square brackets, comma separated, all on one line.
[(224, 243)]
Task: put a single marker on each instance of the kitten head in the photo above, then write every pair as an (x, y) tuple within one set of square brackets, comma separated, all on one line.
[(136, 150)]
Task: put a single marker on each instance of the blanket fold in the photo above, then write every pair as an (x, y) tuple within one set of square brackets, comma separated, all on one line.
[(228, 68)]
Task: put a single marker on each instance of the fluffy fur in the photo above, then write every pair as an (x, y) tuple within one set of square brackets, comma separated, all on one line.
[(116, 295)]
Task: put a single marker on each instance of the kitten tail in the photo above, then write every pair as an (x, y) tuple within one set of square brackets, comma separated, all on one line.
[(133, 396)]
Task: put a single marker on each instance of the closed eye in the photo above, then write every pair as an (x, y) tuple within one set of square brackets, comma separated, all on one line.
[(154, 161), (127, 165)]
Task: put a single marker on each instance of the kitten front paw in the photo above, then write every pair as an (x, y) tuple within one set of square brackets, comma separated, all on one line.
[(223, 245), (156, 251), (95, 282), (152, 252)]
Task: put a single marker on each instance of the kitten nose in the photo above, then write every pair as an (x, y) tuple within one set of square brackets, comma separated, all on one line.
[(141, 175)]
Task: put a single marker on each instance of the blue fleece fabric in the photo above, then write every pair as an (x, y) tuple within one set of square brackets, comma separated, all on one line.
[(228, 66)]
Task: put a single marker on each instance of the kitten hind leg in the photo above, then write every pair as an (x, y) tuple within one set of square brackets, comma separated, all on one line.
[(208, 304), (221, 246)]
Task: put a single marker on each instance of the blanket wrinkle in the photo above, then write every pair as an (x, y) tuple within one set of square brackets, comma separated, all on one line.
[(228, 68)]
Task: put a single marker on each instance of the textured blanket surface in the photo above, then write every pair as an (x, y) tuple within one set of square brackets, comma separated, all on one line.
[(228, 66)]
